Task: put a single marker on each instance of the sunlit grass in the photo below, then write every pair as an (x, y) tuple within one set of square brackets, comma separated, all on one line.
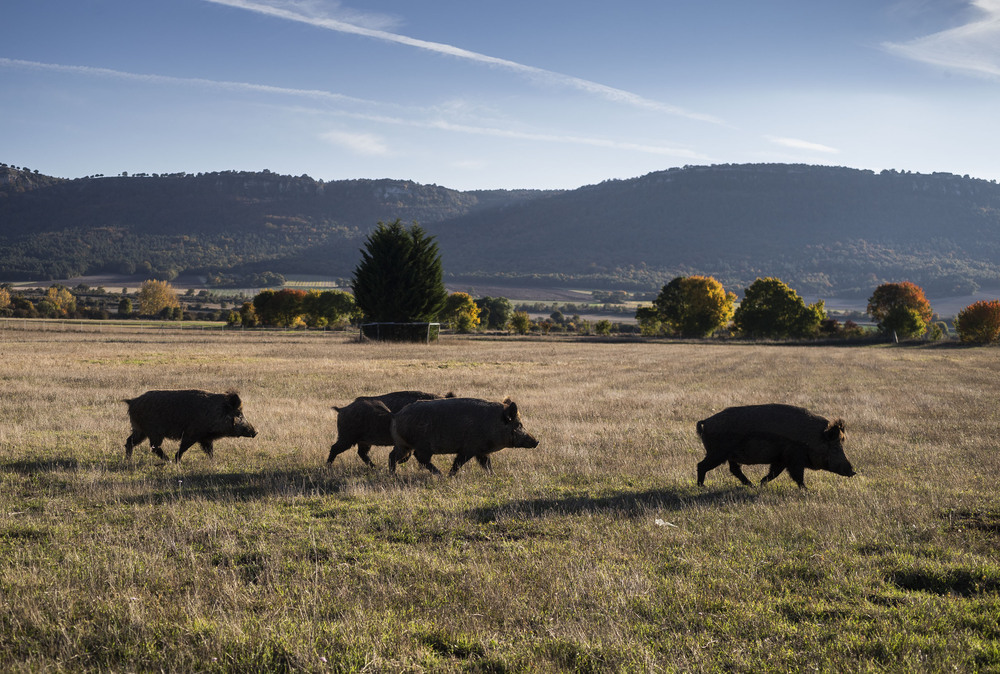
[(594, 552)]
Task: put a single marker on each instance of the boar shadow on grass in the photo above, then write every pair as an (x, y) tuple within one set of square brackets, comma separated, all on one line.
[(239, 486), (43, 465), (628, 504)]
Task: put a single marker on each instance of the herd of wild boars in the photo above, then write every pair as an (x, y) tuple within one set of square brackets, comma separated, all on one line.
[(425, 424), (365, 422)]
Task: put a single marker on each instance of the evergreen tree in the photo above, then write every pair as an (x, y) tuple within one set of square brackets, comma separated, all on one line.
[(399, 278)]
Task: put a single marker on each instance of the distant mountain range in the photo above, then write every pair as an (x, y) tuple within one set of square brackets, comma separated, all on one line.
[(826, 231)]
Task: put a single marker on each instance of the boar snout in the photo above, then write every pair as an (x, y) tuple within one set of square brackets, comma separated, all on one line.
[(845, 469), (526, 441), (244, 429)]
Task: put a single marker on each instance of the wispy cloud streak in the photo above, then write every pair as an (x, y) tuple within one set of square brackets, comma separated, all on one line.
[(361, 143), (90, 71), (797, 144), (587, 86), (973, 47)]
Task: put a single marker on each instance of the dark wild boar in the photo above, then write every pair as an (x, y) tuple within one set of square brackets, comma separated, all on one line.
[(365, 422), (783, 436), (189, 416), (467, 427)]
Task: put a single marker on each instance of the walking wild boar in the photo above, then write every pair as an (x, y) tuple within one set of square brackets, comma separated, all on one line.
[(467, 427), (365, 422), (189, 416), (783, 436)]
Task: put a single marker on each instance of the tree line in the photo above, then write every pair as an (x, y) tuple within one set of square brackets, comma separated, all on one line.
[(399, 281), (699, 306)]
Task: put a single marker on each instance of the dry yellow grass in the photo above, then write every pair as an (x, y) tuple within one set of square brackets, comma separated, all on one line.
[(594, 552)]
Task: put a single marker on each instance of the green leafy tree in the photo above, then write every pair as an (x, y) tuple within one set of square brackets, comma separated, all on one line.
[(900, 308), (649, 320), (520, 322), (694, 306), (603, 327), (772, 309), (282, 308), (495, 312), (328, 307), (248, 316), (125, 308), (399, 278), (979, 322), (156, 296)]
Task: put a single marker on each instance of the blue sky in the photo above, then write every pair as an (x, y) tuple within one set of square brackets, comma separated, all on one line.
[(481, 94)]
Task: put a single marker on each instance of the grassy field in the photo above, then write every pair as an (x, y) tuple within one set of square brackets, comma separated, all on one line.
[(594, 552)]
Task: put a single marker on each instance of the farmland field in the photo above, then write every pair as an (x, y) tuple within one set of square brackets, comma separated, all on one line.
[(594, 552)]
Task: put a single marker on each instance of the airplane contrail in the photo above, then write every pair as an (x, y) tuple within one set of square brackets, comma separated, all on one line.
[(606, 92)]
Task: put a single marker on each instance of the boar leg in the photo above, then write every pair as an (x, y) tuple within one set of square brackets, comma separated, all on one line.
[(734, 468), (154, 444), (206, 446), (135, 439), (484, 461), (776, 469), (460, 461), (398, 455), (707, 464), (363, 450), (424, 459), (339, 447), (797, 471), (184, 446)]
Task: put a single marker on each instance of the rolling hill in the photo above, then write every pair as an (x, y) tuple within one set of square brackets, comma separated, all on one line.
[(825, 230)]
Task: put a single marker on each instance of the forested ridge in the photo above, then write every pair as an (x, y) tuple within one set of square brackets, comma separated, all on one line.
[(827, 230)]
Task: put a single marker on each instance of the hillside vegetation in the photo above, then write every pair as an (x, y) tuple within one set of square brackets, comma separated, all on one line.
[(594, 552), (826, 231)]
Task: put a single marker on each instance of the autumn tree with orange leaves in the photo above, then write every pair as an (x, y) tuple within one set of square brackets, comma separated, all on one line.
[(900, 308), (979, 322)]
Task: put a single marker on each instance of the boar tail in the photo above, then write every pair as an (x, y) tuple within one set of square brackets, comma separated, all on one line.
[(449, 394), (700, 428)]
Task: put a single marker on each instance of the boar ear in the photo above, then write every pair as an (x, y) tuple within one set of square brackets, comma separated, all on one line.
[(233, 399), (835, 431), (509, 410)]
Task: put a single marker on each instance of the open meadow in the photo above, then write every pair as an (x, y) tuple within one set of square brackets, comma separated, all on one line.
[(594, 552)]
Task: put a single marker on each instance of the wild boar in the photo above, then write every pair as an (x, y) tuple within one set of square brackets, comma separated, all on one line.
[(365, 422), (784, 436), (189, 416), (467, 427)]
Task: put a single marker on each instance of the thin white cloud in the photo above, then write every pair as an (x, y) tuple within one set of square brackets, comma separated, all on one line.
[(973, 47), (797, 144), (293, 12), (423, 118), (366, 144), (90, 71)]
